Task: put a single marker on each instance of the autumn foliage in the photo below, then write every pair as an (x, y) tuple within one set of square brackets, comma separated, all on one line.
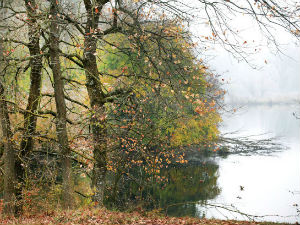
[(95, 95)]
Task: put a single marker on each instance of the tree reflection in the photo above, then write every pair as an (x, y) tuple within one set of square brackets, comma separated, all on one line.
[(184, 184), (195, 183)]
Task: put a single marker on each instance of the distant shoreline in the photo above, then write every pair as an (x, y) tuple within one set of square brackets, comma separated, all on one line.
[(258, 103)]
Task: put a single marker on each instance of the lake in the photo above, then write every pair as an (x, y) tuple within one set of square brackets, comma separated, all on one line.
[(261, 185)]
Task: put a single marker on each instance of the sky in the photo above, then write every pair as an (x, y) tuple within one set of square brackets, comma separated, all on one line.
[(276, 78), (277, 81)]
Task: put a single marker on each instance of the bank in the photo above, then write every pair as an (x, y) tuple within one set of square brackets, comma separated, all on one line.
[(107, 217)]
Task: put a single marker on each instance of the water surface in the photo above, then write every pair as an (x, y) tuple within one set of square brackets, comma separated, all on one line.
[(261, 185), (267, 186)]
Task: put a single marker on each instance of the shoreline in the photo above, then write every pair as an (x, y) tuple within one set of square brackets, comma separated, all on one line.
[(107, 217)]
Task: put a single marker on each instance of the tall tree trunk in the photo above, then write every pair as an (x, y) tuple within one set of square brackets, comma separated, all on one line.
[(9, 158), (61, 119), (9, 155), (97, 99), (34, 95), (35, 77)]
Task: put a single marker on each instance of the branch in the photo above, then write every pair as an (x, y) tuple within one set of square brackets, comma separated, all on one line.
[(70, 57), (73, 81), (75, 23), (23, 111), (83, 155), (69, 99), (111, 30), (83, 195), (15, 41), (50, 112), (119, 92)]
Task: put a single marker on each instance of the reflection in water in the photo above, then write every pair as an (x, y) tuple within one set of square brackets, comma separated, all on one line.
[(270, 184), (189, 184), (185, 184), (276, 120)]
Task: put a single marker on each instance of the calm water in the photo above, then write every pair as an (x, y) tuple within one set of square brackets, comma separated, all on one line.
[(261, 185), (271, 183)]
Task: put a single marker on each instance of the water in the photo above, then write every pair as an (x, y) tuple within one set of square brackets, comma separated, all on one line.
[(261, 185)]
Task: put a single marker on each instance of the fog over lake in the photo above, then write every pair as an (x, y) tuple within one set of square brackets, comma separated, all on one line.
[(278, 81), (271, 184), (266, 99)]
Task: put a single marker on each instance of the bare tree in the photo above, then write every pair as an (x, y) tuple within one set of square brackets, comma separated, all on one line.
[(61, 118), (30, 118), (9, 154)]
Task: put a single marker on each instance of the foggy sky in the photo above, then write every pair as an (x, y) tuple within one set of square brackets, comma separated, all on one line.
[(277, 78)]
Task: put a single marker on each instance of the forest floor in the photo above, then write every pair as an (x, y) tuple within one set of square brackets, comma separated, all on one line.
[(106, 217)]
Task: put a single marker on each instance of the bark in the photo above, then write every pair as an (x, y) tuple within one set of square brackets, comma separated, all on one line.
[(9, 155), (35, 77), (97, 99), (61, 118), (34, 95), (9, 158)]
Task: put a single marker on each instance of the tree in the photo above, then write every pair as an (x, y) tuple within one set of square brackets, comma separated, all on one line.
[(61, 123), (156, 81), (140, 37), (96, 95), (9, 155), (128, 19), (30, 118)]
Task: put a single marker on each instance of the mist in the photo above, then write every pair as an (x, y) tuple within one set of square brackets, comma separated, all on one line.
[(271, 74), (277, 80)]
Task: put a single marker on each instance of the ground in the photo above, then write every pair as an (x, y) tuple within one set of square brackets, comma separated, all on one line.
[(106, 217)]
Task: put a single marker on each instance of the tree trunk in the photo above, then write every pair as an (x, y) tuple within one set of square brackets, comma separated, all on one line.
[(35, 77), (97, 97), (33, 100), (61, 119), (9, 155)]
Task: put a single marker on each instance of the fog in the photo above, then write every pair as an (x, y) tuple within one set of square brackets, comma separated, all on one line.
[(276, 78), (276, 81)]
